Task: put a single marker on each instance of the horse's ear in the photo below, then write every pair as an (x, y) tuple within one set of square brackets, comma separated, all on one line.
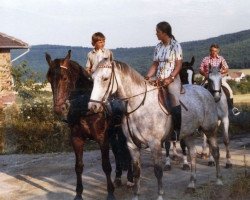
[(48, 58), (68, 55), (192, 61)]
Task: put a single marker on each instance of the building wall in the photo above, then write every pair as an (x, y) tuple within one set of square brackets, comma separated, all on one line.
[(6, 80)]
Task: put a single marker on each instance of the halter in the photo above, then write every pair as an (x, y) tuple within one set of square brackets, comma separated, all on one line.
[(212, 90), (113, 79)]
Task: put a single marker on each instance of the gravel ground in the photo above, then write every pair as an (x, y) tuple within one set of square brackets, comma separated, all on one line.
[(52, 176)]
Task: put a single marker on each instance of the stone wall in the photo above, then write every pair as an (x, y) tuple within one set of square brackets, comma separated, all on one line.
[(6, 80)]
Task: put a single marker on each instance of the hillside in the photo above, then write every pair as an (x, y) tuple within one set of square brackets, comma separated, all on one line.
[(235, 48)]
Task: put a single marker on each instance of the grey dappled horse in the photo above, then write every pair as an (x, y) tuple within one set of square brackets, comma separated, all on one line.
[(147, 124), (215, 87)]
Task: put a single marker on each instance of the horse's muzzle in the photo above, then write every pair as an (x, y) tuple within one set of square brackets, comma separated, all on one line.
[(217, 96), (61, 110)]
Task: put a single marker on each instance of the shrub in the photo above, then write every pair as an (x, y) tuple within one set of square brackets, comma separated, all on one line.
[(30, 126), (34, 129)]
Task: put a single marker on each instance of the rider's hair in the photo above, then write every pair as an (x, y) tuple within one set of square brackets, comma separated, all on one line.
[(214, 46), (165, 28), (97, 37)]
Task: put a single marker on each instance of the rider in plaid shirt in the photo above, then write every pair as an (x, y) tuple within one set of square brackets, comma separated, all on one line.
[(215, 60)]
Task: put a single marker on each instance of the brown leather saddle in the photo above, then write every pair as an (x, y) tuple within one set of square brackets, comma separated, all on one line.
[(166, 99)]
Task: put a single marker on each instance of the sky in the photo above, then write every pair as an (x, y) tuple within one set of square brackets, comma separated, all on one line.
[(125, 23)]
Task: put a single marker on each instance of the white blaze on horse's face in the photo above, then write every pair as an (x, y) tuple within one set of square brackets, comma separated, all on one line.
[(103, 84), (214, 80), (190, 75)]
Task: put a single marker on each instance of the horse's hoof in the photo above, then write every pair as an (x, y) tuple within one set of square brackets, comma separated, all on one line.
[(78, 197), (185, 167), (229, 166), (111, 197), (167, 168), (211, 163), (118, 182)]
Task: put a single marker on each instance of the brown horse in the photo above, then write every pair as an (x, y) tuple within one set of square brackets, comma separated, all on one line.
[(71, 86)]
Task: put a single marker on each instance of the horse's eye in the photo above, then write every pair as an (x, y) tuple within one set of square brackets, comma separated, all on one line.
[(105, 79)]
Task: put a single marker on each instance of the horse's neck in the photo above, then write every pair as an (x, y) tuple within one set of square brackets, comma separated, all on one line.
[(135, 93), (83, 85)]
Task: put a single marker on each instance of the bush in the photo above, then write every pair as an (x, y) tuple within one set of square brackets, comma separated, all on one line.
[(30, 125), (242, 87), (32, 128)]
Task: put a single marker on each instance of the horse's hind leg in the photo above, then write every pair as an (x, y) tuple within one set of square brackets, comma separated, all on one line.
[(204, 147), (212, 141), (157, 156), (225, 126), (78, 149), (106, 166), (184, 153)]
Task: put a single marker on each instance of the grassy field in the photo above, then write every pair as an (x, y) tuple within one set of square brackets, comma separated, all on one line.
[(242, 98), (245, 71)]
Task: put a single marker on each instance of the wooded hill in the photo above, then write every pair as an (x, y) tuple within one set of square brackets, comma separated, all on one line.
[(235, 48)]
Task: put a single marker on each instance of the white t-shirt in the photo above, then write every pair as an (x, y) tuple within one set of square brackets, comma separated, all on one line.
[(166, 55)]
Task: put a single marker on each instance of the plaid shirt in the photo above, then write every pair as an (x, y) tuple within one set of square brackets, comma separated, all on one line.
[(215, 62)]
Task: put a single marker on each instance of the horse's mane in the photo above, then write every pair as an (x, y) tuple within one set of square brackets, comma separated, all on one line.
[(77, 65), (129, 71)]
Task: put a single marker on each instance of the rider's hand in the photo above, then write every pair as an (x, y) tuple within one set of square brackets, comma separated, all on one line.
[(167, 81)]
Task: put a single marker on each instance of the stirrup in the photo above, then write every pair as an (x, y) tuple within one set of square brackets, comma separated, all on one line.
[(235, 111)]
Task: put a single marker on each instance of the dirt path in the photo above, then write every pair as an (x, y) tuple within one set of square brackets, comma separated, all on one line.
[(52, 176)]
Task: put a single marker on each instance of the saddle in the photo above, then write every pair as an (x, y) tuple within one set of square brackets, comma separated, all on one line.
[(166, 99)]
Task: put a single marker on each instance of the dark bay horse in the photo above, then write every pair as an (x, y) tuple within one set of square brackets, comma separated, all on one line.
[(71, 86)]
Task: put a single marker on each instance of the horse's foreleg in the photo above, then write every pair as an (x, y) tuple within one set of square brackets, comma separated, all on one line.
[(167, 165), (106, 166), (77, 144), (135, 154), (216, 154), (157, 156), (116, 149), (225, 126), (192, 152)]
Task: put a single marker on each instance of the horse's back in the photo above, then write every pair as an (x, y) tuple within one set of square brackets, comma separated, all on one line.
[(198, 110)]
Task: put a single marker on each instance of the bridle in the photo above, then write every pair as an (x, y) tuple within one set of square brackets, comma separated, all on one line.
[(210, 88), (108, 92)]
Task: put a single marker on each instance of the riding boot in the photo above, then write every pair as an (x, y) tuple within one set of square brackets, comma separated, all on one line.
[(231, 107), (176, 116)]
